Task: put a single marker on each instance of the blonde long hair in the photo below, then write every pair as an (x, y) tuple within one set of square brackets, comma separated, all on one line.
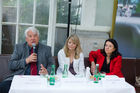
[(78, 49)]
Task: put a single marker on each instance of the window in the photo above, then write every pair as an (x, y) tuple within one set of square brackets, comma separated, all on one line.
[(62, 11), (17, 15)]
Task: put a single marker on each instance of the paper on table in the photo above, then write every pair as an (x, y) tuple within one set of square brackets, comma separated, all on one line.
[(113, 81), (29, 81)]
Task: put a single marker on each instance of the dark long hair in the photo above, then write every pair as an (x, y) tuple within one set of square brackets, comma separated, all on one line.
[(115, 53)]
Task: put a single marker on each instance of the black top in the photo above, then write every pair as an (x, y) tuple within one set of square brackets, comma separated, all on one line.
[(71, 69), (106, 67)]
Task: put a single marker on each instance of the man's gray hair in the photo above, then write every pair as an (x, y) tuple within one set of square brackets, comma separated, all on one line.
[(33, 29)]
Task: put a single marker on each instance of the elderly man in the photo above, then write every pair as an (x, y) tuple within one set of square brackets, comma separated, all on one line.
[(29, 58)]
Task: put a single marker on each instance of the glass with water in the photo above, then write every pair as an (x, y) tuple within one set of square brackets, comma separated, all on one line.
[(65, 71)]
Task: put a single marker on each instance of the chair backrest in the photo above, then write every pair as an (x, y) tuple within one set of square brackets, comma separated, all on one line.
[(137, 67), (86, 62), (4, 72), (56, 63), (128, 70)]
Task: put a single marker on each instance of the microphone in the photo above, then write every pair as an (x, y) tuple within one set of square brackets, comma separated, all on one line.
[(34, 47)]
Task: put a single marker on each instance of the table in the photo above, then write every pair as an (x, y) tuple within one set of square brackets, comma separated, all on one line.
[(38, 84)]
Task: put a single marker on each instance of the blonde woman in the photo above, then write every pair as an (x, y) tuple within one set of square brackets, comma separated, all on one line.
[(71, 55)]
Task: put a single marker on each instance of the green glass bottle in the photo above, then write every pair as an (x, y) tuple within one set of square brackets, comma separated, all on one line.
[(96, 74), (52, 75)]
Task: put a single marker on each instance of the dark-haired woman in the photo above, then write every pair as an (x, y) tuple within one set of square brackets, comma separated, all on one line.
[(108, 58)]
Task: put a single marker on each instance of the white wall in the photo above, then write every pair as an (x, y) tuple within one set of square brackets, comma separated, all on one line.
[(88, 13), (104, 12)]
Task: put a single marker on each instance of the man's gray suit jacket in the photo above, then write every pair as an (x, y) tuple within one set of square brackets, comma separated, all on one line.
[(17, 63)]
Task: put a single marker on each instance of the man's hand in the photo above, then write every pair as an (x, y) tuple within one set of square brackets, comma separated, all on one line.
[(31, 58), (43, 70)]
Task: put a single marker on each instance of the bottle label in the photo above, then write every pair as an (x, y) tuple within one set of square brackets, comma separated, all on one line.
[(96, 78), (65, 76), (52, 80)]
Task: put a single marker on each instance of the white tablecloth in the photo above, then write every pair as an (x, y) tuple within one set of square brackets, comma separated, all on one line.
[(37, 84)]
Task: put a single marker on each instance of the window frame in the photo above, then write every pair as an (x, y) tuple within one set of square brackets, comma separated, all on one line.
[(50, 26)]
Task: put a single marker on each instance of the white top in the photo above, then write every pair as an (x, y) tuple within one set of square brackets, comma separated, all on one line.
[(78, 64)]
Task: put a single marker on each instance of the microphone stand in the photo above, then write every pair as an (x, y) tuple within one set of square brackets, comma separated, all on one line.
[(69, 14)]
